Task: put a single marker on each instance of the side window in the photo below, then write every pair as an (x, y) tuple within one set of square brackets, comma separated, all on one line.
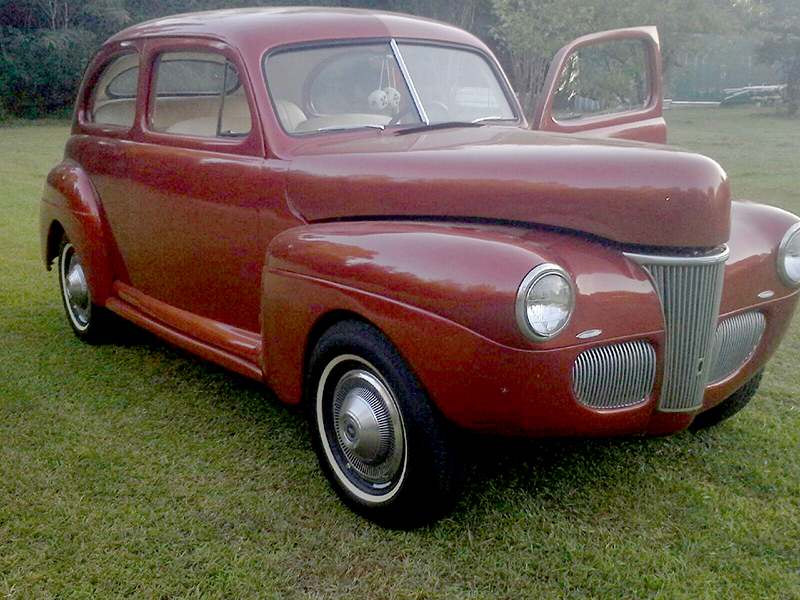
[(113, 97), (603, 78), (198, 94)]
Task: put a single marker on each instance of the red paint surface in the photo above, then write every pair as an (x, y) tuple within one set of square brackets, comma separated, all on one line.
[(622, 191)]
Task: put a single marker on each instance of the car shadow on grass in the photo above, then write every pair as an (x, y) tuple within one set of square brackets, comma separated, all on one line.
[(504, 478)]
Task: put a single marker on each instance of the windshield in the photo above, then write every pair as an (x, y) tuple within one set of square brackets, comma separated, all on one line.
[(377, 85), (455, 85)]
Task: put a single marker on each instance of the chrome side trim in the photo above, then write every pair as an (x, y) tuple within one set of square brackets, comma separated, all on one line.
[(735, 342), (589, 333), (679, 261), (690, 290), (614, 376)]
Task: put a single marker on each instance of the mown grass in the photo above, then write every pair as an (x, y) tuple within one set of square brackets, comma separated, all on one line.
[(134, 470)]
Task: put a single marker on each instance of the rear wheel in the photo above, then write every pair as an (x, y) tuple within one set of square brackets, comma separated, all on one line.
[(378, 438), (729, 407), (83, 315)]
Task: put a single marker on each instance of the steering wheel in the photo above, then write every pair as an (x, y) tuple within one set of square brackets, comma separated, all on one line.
[(396, 119), (437, 111)]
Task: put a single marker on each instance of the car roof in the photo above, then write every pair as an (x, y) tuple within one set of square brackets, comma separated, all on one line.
[(272, 27)]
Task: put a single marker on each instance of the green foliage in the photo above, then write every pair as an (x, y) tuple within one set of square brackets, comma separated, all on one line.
[(533, 30), (44, 48), (41, 70), (779, 21), (45, 44)]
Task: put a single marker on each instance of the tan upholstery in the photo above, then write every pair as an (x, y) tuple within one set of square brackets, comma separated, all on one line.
[(116, 112), (290, 114), (235, 116)]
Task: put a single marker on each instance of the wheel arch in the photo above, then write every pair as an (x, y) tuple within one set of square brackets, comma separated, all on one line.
[(324, 323), (291, 329), (53, 236), (71, 208)]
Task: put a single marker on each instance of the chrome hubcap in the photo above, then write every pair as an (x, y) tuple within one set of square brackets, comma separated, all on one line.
[(75, 288), (367, 439), (363, 425)]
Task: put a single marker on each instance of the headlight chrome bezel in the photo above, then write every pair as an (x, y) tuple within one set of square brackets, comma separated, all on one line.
[(529, 282), (793, 233)]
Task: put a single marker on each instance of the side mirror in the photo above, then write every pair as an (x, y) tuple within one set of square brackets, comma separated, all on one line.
[(608, 85)]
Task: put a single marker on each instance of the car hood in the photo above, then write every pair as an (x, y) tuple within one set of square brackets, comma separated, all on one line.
[(628, 192)]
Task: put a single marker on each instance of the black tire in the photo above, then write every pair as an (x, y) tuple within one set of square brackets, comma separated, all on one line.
[(379, 440), (87, 319), (729, 407)]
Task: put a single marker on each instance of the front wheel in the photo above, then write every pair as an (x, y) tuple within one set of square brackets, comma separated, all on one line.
[(377, 436)]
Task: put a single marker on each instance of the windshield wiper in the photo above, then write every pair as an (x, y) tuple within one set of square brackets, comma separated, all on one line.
[(450, 124), (331, 128), (442, 125), (493, 119)]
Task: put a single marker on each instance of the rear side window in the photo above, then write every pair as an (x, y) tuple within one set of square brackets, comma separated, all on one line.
[(113, 97), (199, 94), (181, 74)]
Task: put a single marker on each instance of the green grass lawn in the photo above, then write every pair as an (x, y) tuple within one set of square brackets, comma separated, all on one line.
[(135, 470)]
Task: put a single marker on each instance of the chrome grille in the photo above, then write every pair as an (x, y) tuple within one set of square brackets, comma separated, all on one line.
[(734, 343), (614, 376), (690, 289)]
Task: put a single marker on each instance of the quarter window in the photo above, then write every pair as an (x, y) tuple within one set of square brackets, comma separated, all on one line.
[(124, 84), (113, 98)]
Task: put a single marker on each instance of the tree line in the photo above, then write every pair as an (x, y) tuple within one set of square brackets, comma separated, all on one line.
[(46, 44)]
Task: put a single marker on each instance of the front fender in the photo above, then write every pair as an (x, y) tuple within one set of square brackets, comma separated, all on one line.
[(470, 274), (751, 269), (752, 283), (70, 202), (404, 277)]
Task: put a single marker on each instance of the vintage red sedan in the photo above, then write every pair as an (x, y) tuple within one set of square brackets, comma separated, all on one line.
[(351, 207)]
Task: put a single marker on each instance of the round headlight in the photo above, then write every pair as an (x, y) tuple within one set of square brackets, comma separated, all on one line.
[(789, 257), (545, 301)]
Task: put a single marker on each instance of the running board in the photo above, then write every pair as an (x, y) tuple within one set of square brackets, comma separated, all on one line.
[(232, 348)]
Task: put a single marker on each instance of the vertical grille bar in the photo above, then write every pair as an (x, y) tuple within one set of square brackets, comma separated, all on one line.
[(690, 289)]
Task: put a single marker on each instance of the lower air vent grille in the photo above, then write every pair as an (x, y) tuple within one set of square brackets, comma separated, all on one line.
[(614, 376), (734, 343)]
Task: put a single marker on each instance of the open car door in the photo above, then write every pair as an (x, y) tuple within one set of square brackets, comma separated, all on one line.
[(606, 84)]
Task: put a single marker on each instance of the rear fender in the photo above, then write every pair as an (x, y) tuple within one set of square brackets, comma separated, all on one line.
[(70, 206)]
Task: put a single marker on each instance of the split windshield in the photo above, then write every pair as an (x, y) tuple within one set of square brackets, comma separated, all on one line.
[(378, 85)]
